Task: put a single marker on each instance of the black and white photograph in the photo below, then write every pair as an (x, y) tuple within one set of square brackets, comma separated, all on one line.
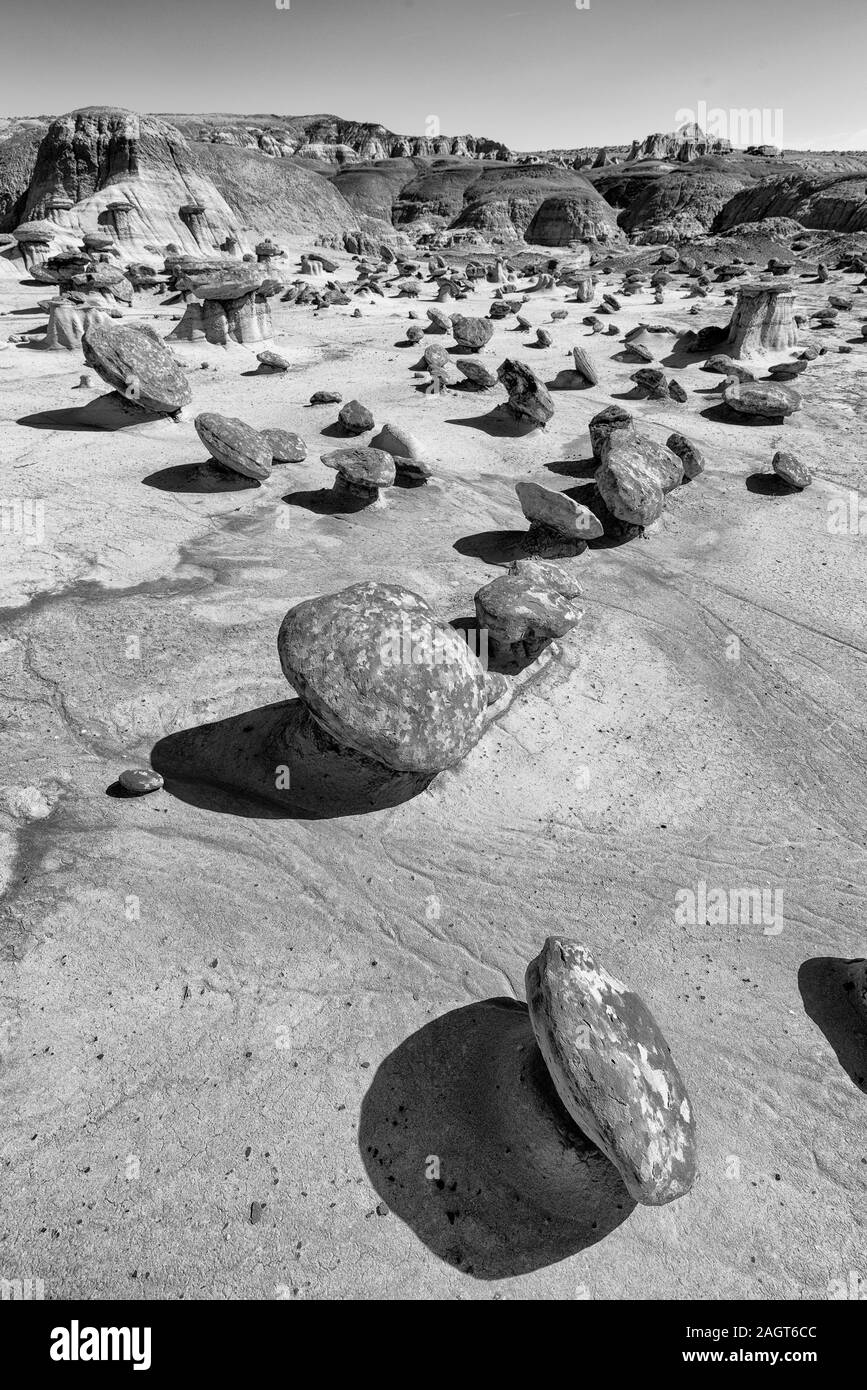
[(433, 658)]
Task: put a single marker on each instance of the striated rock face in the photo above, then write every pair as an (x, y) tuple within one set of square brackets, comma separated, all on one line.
[(613, 1070), (683, 145), (331, 139), (381, 673), (824, 202), (669, 205), (764, 319), (575, 216), (114, 164), (68, 322)]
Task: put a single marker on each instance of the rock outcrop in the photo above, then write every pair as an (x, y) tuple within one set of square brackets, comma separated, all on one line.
[(764, 319)]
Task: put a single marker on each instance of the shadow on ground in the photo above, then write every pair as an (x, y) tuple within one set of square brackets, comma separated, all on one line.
[(826, 990), (465, 1139), (276, 762)]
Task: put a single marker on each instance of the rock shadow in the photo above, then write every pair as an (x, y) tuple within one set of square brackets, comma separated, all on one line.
[(574, 468), (329, 501), (237, 766), (826, 991), (724, 415), (108, 412), (493, 547), (207, 476), (465, 1139), (770, 485), (568, 380), (499, 422)]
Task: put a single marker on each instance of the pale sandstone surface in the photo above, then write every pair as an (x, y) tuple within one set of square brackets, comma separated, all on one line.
[(231, 993)]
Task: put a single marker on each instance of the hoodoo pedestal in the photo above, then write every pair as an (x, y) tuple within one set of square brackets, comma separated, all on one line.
[(764, 319)]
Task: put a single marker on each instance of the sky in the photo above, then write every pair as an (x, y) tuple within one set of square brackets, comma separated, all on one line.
[(534, 74)]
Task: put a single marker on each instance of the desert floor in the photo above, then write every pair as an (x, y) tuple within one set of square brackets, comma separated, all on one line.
[(215, 1077)]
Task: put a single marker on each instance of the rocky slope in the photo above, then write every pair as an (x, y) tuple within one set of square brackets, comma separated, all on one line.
[(825, 203)]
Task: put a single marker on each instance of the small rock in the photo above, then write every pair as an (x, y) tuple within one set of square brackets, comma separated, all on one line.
[(355, 418), (791, 470), (140, 780)]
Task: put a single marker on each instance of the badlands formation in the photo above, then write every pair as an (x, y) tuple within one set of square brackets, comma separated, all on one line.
[(433, 693)]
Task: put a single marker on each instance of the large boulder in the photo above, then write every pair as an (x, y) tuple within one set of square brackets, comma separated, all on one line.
[(613, 1070), (235, 444), (521, 614), (382, 674), (137, 365), (634, 475), (471, 334), (603, 425), (558, 524), (361, 471), (767, 399)]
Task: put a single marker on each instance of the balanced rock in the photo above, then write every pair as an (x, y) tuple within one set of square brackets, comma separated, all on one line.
[(138, 366), (521, 616), (382, 674), (470, 333), (558, 522), (361, 471), (548, 574), (529, 399), (234, 444), (272, 361), (613, 1070), (791, 470)]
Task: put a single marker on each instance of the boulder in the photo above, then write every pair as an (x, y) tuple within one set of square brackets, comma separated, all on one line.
[(613, 1070), (285, 446), (629, 479), (272, 361), (383, 675), (138, 366), (406, 451), (529, 399), (584, 366), (768, 399), (690, 455), (612, 418), (234, 444), (791, 470), (547, 574), (355, 418), (479, 376)]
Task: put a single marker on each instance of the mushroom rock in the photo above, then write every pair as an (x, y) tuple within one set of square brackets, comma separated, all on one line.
[(768, 399), (57, 208), (529, 399), (120, 214), (612, 418), (478, 376), (471, 334), (311, 265), (34, 240), (362, 472), (285, 446), (791, 470), (521, 616), (383, 675), (613, 1070), (235, 444), (235, 296), (763, 319), (582, 282), (406, 451), (193, 215), (68, 322), (558, 524), (440, 321), (651, 380), (138, 366), (689, 453)]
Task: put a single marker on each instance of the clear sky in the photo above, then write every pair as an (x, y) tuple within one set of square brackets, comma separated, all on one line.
[(532, 73)]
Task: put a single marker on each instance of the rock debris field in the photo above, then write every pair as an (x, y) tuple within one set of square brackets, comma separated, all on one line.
[(433, 721)]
